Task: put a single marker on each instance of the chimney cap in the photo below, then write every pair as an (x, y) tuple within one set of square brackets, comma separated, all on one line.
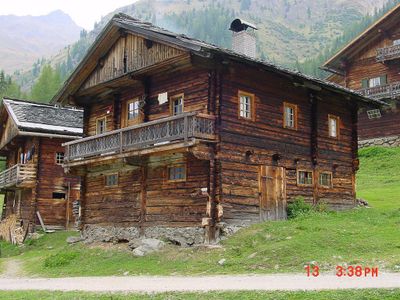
[(238, 25)]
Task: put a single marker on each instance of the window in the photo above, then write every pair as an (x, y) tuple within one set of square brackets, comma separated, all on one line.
[(59, 158), (374, 114), (57, 195), (290, 115), (374, 82), (304, 178), (111, 180), (396, 42), (177, 172), (333, 122), (325, 179), (101, 126), (177, 105), (133, 109), (246, 105)]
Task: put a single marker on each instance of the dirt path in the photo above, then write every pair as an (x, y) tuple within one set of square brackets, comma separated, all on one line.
[(209, 283), (12, 268)]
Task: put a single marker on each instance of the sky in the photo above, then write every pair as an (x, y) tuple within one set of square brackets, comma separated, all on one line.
[(83, 12)]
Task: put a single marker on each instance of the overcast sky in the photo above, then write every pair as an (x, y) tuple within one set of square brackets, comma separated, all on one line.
[(83, 12)]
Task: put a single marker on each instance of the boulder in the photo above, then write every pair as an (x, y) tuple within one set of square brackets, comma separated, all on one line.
[(146, 246), (74, 239)]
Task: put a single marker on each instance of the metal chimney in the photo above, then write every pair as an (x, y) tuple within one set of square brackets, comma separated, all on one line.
[(244, 37)]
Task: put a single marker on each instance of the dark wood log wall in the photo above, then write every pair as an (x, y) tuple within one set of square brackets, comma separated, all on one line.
[(50, 178), (265, 136), (166, 203)]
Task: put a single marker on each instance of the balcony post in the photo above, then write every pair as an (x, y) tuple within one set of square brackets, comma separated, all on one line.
[(185, 129), (120, 142)]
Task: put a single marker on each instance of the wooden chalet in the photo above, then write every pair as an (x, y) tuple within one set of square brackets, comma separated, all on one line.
[(370, 64), (34, 180), (180, 135)]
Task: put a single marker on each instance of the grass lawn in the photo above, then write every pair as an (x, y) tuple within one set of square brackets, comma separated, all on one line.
[(333, 295), (363, 236)]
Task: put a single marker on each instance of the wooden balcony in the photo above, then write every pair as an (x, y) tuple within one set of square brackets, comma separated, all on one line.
[(388, 53), (150, 135), (18, 176), (388, 91)]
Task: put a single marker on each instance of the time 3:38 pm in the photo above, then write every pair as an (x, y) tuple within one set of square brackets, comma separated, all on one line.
[(345, 271)]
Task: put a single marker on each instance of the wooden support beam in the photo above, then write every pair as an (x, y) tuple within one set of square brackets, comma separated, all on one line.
[(314, 145)]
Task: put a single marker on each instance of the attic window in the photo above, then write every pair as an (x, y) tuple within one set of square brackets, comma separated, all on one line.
[(111, 180), (374, 114), (246, 105), (148, 44)]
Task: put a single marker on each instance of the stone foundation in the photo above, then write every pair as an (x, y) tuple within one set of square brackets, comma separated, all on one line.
[(182, 236), (390, 141)]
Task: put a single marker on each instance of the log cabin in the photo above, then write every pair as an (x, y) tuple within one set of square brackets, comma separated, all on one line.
[(183, 138), (370, 64), (34, 180)]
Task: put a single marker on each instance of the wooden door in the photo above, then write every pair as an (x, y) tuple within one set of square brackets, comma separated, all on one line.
[(272, 193)]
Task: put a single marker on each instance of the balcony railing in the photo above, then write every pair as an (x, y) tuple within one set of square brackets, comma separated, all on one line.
[(387, 91), (17, 176), (150, 134), (388, 53)]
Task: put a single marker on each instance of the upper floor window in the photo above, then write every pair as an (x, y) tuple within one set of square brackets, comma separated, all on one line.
[(246, 105), (177, 105), (304, 177), (333, 123), (59, 158), (374, 82), (133, 109), (111, 180), (374, 114), (177, 172), (396, 42), (101, 125), (289, 115)]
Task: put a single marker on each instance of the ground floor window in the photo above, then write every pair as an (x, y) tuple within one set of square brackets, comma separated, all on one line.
[(177, 172), (325, 179), (304, 177)]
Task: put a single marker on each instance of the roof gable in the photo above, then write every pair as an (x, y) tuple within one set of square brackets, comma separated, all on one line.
[(128, 54)]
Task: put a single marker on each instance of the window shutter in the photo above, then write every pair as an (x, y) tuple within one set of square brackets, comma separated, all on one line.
[(364, 83), (383, 79)]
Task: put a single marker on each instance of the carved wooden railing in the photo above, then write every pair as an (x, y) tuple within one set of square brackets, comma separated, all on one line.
[(17, 175), (388, 53), (383, 91), (151, 134)]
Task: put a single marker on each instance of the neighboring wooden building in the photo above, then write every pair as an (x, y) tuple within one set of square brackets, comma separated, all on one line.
[(34, 181), (181, 134), (370, 64)]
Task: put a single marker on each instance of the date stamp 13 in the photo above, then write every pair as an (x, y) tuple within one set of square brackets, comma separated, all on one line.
[(345, 271)]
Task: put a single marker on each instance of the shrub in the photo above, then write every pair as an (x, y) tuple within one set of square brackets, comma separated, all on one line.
[(298, 208), (321, 207), (60, 259)]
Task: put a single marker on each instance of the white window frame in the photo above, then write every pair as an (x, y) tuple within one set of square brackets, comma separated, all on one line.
[(374, 114), (60, 158), (177, 105), (133, 109), (334, 124), (374, 82), (246, 105)]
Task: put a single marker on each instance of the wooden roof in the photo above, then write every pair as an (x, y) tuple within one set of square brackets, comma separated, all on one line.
[(121, 24), (371, 34)]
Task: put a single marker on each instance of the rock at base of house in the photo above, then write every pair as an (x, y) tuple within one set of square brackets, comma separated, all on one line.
[(181, 236), (110, 234), (142, 247), (362, 202), (74, 239)]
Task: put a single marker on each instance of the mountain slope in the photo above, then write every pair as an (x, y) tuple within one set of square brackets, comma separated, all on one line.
[(25, 39), (289, 30)]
